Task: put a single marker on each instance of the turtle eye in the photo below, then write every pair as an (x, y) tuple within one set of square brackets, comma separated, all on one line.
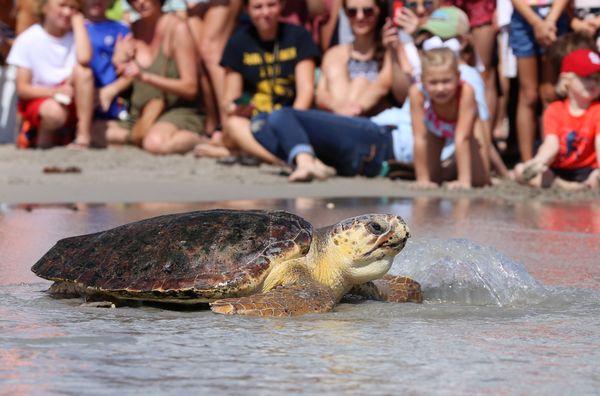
[(375, 228)]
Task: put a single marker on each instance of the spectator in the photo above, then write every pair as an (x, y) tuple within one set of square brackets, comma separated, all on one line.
[(569, 155), (444, 108), (269, 65), (160, 57), (103, 34), (356, 77), (398, 36), (534, 26), (507, 69), (481, 17), (52, 76), (212, 22), (587, 19), (450, 24), (314, 15)]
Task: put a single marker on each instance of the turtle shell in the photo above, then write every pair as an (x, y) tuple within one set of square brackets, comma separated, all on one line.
[(199, 255)]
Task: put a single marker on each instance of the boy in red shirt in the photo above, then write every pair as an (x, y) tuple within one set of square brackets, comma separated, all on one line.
[(568, 157)]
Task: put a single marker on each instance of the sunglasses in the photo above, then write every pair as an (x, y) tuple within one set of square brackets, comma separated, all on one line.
[(427, 4), (352, 12)]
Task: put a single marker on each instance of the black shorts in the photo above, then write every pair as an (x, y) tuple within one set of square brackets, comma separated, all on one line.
[(574, 175)]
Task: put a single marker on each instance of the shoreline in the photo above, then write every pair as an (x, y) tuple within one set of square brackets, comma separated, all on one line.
[(128, 174)]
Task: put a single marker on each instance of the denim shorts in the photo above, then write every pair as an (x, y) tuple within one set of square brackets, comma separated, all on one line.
[(522, 39)]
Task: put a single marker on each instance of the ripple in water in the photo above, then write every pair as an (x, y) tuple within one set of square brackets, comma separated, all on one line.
[(460, 271)]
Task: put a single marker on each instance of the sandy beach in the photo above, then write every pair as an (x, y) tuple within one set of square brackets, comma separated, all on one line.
[(127, 174)]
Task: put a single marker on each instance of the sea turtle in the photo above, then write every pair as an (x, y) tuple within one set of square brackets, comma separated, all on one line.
[(267, 263)]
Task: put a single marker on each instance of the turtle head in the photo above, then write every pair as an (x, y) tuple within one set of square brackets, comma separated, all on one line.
[(368, 244)]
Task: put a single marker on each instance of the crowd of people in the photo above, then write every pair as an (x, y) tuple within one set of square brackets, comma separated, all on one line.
[(411, 88)]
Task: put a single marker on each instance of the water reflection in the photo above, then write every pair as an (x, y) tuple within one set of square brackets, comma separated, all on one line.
[(558, 243)]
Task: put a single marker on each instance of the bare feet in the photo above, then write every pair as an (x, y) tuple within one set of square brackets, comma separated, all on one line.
[(209, 150), (309, 168)]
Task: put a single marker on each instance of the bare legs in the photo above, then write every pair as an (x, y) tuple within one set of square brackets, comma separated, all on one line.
[(53, 116), (528, 97), (162, 138), (86, 136), (212, 27)]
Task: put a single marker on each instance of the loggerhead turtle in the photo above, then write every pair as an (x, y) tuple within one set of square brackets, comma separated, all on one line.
[(267, 263)]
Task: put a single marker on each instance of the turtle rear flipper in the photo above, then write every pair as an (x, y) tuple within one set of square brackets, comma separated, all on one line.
[(289, 300), (390, 288)]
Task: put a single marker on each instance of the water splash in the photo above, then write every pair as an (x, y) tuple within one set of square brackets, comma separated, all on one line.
[(460, 271)]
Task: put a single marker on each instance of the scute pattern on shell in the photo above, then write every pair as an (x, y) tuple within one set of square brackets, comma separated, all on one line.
[(217, 251)]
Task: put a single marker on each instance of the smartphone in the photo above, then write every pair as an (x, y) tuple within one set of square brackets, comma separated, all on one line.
[(395, 7)]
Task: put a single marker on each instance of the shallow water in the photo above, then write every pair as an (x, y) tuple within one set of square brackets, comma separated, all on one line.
[(513, 306)]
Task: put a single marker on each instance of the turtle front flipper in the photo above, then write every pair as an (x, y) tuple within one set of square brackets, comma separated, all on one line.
[(289, 300), (390, 288)]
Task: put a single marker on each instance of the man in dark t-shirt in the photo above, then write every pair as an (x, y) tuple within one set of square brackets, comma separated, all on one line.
[(268, 67)]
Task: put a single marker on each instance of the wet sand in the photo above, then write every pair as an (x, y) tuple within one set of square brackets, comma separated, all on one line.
[(127, 174)]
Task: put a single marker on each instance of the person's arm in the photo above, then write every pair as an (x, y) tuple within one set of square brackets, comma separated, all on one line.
[(417, 113), (551, 144), (305, 81), (315, 7), (83, 47), (330, 66), (377, 90), (401, 79), (186, 86), (467, 112), (27, 91), (328, 28), (526, 12), (558, 7), (547, 151)]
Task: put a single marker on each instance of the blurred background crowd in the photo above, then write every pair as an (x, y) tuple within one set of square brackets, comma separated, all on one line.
[(454, 92)]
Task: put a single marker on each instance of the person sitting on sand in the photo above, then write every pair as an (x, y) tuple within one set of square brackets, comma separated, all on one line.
[(53, 81), (269, 65), (569, 155), (160, 57), (356, 77), (103, 34)]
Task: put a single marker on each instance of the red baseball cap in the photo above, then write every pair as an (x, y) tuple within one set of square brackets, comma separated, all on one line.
[(582, 62)]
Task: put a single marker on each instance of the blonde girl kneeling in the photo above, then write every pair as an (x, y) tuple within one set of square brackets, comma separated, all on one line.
[(443, 108)]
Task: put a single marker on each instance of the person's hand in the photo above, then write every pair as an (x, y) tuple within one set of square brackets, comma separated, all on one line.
[(426, 184), (65, 89), (132, 70), (526, 171), (407, 20), (389, 35), (77, 19), (349, 109), (545, 32), (457, 185), (587, 27), (124, 50)]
